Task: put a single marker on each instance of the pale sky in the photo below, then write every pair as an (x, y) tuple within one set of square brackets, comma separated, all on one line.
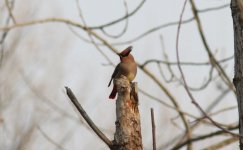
[(52, 57)]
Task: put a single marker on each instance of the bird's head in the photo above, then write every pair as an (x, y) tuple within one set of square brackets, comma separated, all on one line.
[(125, 55), (125, 52)]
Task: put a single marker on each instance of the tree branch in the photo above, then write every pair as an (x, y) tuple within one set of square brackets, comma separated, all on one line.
[(153, 129), (222, 144), (196, 64), (10, 11), (86, 117), (213, 60), (119, 19), (201, 137), (185, 83)]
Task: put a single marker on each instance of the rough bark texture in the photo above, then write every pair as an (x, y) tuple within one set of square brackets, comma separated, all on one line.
[(128, 129), (237, 14)]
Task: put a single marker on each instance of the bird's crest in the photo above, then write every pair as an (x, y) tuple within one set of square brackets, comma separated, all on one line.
[(126, 52)]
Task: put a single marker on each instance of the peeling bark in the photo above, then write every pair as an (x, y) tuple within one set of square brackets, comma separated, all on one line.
[(128, 129)]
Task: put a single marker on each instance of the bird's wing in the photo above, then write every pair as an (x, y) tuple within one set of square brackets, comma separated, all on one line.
[(114, 74)]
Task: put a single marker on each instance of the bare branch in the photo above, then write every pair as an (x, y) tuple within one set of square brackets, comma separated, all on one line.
[(185, 63), (206, 83), (173, 100), (43, 21), (5, 33), (86, 117), (222, 144), (217, 100), (10, 11), (214, 62), (89, 34), (214, 8), (185, 83), (173, 23), (172, 75), (50, 139), (152, 30), (177, 38), (197, 119), (205, 136), (123, 31), (153, 129), (119, 19)]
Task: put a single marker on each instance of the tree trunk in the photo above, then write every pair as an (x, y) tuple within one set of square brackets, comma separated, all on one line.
[(237, 14), (128, 129)]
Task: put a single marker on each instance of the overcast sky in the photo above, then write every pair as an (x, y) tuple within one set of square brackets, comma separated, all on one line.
[(51, 56)]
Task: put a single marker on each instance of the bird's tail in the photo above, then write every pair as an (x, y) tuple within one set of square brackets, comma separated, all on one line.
[(113, 92)]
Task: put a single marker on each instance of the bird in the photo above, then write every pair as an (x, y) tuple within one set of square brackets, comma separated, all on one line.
[(127, 67)]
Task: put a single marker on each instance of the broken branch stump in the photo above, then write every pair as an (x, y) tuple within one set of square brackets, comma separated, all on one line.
[(128, 128)]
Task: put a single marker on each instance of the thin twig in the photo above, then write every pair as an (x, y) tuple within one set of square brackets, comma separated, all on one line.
[(186, 87), (214, 62), (214, 8), (50, 139), (43, 21), (173, 23), (172, 75), (89, 34), (196, 64), (222, 144), (189, 134), (206, 83), (119, 19), (217, 100), (123, 31), (154, 29), (171, 97), (205, 136), (5, 33), (207, 110), (47, 101), (153, 129), (10, 11), (197, 119), (87, 118)]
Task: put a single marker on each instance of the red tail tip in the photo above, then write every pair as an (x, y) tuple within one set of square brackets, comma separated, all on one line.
[(112, 96), (113, 93)]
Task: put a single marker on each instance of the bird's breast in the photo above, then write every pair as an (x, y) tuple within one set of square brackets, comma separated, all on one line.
[(129, 70), (131, 76)]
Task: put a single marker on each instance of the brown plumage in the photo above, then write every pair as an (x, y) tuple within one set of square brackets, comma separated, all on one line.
[(126, 67)]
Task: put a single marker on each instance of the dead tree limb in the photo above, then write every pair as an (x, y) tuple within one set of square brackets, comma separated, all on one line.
[(128, 129), (86, 117)]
